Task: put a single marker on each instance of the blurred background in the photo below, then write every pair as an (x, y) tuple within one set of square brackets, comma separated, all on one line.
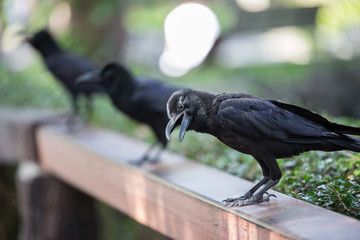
[(305, 52)]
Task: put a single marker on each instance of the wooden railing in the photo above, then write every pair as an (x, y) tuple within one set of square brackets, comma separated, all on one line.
[(178, 198)]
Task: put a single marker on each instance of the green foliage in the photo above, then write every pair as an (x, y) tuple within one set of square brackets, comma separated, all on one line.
[(105, 9), (142, 17), (339, 15), (329, 180), (31, 87)]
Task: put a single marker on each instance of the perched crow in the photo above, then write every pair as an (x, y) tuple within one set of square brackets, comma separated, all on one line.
[(65, 66), (141, 98), (265, 129)]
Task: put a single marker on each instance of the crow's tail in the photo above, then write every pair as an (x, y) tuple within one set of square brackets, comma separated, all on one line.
[(313, 116), (346, 143), (342, 129)]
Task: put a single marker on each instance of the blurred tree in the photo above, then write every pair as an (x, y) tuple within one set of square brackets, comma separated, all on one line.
[(99, 24)]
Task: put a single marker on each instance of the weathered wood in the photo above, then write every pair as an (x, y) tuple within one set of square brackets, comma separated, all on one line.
[(16, 132), (178, 198), (51, 209)]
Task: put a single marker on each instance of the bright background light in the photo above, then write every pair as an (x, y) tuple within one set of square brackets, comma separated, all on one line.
[(253, 5), (191, 30), (60, 17), (287, 44), (277, 45)]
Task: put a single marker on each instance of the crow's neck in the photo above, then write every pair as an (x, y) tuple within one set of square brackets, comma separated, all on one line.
[(203, 118), (122, 92), (49, 49)]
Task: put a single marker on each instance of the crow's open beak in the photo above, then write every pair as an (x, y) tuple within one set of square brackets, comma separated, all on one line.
[(186, 120), (92, 77)]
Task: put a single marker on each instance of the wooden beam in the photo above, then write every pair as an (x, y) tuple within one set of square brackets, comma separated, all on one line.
[(177, 197), (16, 132)]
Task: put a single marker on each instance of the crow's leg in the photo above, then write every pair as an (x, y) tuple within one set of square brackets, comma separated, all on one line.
[(89, 108), (156, 157), (257, 198), (271, 171), (146, 157), (249, 193), (72, 121), (75, 105)]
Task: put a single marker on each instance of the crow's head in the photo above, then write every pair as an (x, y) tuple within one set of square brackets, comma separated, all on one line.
[(112, 76), (40, 38), (188, 108), (42, 41)]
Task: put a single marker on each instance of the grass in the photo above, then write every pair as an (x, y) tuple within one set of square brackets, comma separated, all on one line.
[(329, 180)]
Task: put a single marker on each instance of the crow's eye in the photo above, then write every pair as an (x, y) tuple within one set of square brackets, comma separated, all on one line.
[(180, 107)]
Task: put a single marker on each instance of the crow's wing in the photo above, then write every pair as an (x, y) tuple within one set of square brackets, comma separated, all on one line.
[(313, 116), (153, 94), (67, 67), (260, 119)]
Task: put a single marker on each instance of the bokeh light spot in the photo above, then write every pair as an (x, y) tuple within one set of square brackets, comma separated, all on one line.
[(191, 30)]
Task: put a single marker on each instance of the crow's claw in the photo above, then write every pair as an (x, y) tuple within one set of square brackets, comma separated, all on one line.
[(241, 201), (269, 195), (139, 162), (230, 200)]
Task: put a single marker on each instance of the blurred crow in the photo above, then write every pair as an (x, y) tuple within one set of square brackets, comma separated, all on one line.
[(66, 67), (141, 98), (265, 129)]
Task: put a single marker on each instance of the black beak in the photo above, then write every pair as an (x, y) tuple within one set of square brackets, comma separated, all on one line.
[(92, 77), (186, 120)]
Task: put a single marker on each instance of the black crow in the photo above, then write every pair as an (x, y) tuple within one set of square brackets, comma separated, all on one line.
[(265, 129), (66, 67), (141, 98)]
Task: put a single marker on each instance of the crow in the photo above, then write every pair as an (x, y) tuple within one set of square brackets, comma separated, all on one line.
[(65, 67), (141, 98), (264, 129)]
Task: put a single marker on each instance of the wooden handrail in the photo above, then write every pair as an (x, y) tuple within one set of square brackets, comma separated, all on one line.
[(177, 197)]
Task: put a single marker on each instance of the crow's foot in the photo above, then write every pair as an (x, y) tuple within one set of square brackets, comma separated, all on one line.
[(247, 200), (74, 123), (229, 200), (144, 160)]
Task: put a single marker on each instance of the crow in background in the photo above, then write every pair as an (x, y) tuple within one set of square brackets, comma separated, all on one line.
[(66, 67), (141, 98), (265, 129)]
